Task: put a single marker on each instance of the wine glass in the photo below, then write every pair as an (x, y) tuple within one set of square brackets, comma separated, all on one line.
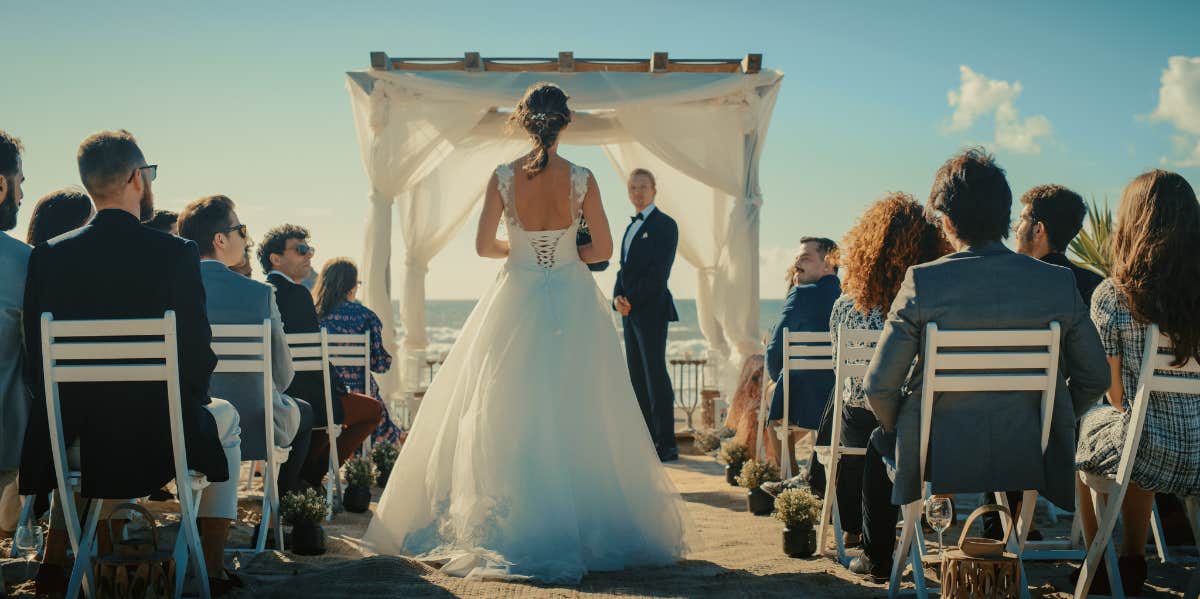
[(939, 512), (28, 542)]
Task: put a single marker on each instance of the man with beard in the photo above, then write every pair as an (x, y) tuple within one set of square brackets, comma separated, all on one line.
[(14, 399), (118, 432)]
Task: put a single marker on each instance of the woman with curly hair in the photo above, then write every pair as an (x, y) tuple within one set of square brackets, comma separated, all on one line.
[(1155, 278), (743, 408), (892, 235)]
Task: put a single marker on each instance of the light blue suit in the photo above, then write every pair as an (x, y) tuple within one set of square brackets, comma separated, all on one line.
[(14, 396), (235, 299)]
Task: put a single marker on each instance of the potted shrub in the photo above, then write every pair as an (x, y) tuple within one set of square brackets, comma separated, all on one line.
[(733, 455), (360, 475), (706, 441), (799, 510), (305, 512), (754, 474), (384, 455)]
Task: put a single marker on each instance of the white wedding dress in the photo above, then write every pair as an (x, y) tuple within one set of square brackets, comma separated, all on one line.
[(529, 457)]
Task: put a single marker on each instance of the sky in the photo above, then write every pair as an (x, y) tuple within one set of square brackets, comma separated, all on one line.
[(249, 99)]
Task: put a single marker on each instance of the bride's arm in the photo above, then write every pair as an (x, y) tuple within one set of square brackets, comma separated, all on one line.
[(486, 244), (601, 247)]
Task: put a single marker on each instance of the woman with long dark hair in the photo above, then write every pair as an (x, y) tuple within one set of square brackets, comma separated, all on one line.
[(1155, 278), (336, 299), (57, 212), (529, 457)]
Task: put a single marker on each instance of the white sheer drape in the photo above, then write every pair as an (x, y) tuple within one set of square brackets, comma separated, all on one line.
[(429, 139)]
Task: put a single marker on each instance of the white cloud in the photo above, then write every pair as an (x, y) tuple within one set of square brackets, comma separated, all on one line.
[(1179, 106), (978, 97)]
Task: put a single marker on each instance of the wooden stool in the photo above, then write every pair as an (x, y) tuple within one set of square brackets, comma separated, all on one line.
[(980, 568)]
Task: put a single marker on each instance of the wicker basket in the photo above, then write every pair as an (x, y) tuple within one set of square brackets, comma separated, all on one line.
[(980, 568), (136, 569)]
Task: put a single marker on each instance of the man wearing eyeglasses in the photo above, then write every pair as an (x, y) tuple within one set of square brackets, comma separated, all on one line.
[(118, 432), (285, 256), (213, 224)]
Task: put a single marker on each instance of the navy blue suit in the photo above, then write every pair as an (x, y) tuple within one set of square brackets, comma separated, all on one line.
[(807, 309), (642, 280)]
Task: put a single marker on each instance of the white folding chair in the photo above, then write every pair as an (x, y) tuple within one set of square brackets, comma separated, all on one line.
[(1156, 376), (353, 351), (246, 348), (92, 361), (802, 350), (981, 361), (854, 351), (310, 352)]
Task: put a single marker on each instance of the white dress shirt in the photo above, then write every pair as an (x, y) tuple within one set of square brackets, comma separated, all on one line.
[(631, 234)]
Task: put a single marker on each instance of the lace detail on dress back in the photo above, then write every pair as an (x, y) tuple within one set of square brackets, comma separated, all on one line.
[(546, 248)]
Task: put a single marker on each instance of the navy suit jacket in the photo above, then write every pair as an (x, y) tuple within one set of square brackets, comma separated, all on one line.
[(1086, 280), (646, 268), (807, 309), (300, 316)]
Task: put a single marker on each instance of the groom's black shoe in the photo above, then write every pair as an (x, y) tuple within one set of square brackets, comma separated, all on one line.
[(668, 455)]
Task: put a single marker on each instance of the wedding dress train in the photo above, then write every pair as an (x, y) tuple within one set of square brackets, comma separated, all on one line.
[(529, 457)]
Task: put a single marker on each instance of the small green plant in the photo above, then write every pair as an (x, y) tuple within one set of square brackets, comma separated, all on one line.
[(706, 441), (360, 472), (733, 454), (754, 474), (309, 506), (384, 455), (1093, 246), (797, 508)]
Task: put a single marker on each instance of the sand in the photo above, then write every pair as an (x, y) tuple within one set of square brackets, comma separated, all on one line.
[(742, 557)]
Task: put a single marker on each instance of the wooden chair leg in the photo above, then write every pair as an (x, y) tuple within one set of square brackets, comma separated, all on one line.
[(1101, 546), (81, 572), (1160, 539), (191, 537), (912, 516)]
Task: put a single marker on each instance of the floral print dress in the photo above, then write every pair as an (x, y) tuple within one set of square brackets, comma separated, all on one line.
[(351, 317)]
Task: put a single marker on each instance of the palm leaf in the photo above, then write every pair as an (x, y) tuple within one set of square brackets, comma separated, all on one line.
[(1092, 248)]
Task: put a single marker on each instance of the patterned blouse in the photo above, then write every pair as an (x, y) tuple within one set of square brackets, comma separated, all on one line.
[(845, 314), (1168, 458), (355, 318)]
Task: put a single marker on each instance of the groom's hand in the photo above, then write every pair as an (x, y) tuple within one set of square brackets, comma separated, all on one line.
[(622, 305)]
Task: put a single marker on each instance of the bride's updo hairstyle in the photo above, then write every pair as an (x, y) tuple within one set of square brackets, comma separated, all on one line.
[(542, 113)]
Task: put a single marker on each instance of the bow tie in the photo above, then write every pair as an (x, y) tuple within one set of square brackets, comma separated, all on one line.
[(634, 219)]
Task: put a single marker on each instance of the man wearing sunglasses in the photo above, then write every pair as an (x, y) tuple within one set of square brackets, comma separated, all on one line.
[(285, 256), (213, 224), (114, 267)]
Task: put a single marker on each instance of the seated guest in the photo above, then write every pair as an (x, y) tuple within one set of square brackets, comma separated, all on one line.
[(58, 212), (892, 235), (231, 298), (983, 285), (165, 221), (813, 286), (14, 398), (286, 258), (1155, 279), (121, 430), (1052, 217), (339, 312)]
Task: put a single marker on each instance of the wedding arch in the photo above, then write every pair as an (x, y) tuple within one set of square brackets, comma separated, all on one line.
[(429, 129)]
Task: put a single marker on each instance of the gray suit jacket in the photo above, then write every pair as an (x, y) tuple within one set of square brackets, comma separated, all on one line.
[(985, 441), (14, 396), (235, 299)]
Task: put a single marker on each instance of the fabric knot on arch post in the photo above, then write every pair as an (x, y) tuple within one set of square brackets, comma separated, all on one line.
[(429, 138)]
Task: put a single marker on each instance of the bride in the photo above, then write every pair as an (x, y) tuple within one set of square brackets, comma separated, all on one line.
[(529, 457)]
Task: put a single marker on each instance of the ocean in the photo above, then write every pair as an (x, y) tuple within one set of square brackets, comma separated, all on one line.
[(445, 318)]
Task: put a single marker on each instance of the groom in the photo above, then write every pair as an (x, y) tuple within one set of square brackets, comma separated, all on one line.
[(646, 307)]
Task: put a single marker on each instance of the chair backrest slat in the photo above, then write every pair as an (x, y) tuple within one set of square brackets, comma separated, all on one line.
[(237, 348), (1163, 362), (235, 366), (110, 373), (1029, 364), (305, 351), (132, 327), (810, 364), (808, 337), (112, 350)]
